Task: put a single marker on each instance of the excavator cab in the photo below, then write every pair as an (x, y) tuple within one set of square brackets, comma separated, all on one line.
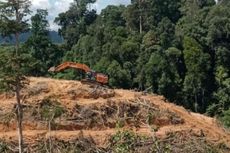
[(91, 75), (97, 77), (102, 78)]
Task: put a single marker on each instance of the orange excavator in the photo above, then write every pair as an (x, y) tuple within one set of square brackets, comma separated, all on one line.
[(91, 76)]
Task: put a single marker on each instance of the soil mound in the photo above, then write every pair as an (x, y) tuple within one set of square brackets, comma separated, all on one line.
[(66, 115)]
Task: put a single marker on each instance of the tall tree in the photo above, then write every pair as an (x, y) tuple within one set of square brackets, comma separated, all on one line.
[(192, 23), (144, 15), (13, 22), (40, 46), (12, 18), (196, 79), (218, 22), (74, 21)]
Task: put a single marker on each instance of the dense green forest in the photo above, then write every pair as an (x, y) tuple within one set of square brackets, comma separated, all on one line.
[(176, 48)]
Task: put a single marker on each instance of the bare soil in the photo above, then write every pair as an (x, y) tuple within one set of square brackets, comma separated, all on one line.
[(98, 112)]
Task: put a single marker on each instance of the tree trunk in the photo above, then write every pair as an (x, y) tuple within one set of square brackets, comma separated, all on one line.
[(140, 24), (19, 118), (50, 139), (140, 17), (18, 21), (196, 103), (17, 90), (17, 43)]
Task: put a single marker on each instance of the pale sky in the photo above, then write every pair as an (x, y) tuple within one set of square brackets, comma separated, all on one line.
[(55, 7)]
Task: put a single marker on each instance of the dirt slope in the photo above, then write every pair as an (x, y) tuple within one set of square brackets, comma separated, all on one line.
[(95, 112)]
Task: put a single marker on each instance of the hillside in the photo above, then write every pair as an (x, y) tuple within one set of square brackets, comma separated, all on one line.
[(97, 119), (55, 38)]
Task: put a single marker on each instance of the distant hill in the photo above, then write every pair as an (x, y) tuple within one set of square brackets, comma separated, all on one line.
[(23, 37)]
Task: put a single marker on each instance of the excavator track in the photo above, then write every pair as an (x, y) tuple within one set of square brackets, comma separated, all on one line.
[(89, 82), (93, 83)]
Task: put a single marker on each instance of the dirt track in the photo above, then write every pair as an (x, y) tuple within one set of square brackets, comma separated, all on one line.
[(70, 93)]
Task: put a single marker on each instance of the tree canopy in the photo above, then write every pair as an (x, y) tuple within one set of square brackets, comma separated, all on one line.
[(176, 48)]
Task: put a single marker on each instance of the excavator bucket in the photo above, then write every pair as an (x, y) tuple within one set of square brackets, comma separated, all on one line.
[(52, 69)]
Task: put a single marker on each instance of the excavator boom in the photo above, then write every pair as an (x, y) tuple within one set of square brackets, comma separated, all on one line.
[(67, 65)]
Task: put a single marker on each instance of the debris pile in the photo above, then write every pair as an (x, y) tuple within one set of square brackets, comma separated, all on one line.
[(62, 116)]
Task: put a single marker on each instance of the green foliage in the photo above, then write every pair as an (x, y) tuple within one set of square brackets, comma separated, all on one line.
[(3, 147), (9, 23), (197, 65), (218, 38), (13, 70), (51, 109), (151, 12), (162, 73), (165, 32), (112, 16), (226, 118), (118, 76), (123, 141), (74, 21), (182, 51), (222, 95), (176, 48), (39, 45)]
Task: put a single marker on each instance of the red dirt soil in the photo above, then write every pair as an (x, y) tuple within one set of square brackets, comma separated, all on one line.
[(62, 89)]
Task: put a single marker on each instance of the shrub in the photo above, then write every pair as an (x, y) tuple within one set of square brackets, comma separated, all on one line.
[(51, 109), (225, 119)]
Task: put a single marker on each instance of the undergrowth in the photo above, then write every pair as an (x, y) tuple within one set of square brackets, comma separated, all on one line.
[(124, 142), (225, 119), (50, 109)]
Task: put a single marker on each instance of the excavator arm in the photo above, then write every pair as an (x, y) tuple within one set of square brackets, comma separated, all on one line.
[(67, 65)]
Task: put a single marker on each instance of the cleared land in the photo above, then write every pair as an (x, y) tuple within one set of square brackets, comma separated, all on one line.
[(60, 114)]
